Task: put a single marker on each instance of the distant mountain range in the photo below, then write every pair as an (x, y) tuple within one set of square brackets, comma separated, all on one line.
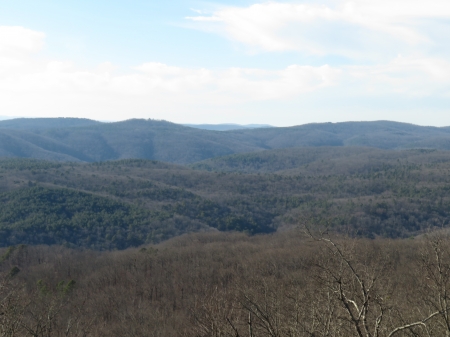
[(2, 118), (45, 123), (227, 127), (74, 139)]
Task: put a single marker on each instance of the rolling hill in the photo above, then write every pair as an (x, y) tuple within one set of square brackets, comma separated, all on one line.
[(66, 139), (320, 160), (45, 123), (118, 204), (227, 127)]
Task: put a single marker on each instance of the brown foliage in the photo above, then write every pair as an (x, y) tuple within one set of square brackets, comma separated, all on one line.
[(286, 284)]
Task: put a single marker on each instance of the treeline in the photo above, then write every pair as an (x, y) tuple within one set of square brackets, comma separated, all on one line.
[(323, 160), (298, 283)]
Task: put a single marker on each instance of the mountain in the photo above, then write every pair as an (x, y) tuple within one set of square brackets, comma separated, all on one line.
[(66, 139), (110, 141), (2, 118), (45, 123), (227, 127)]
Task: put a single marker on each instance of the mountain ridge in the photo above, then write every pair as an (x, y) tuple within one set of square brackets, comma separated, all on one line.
[(227, 126), (72, 139)]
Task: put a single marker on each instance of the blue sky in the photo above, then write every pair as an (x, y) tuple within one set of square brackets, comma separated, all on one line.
[(278, 62)]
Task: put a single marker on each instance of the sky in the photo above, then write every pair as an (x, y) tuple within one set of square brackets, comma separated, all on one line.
[(232, 61)]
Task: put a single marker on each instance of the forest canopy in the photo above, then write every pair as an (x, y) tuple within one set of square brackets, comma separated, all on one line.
[(118, 204)]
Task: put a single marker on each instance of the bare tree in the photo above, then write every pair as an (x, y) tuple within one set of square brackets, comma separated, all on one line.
[(11, 309), (360, 281)]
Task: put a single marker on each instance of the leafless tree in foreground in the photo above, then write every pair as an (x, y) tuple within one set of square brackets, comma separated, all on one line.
[(236, 286), (362, 288)]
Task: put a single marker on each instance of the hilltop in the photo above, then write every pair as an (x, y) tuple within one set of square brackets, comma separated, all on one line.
[(227, 127), (84, 140)]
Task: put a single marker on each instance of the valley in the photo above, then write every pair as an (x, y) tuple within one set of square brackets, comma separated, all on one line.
[(361, 192)]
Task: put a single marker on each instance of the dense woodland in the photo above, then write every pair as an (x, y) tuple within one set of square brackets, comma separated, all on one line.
[(114, 205), (301, 283)]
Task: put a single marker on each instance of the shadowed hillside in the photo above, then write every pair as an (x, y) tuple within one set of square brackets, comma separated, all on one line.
[(130, 139), (45, 123), (65, 139), (118, 204)]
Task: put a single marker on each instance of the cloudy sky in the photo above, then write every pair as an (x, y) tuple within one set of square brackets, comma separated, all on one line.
[(232, 61)]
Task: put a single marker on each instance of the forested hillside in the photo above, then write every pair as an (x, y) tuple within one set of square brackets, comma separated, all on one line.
[(66, 139), (230, 285), (45, 123), (319, 160), (118, 204)]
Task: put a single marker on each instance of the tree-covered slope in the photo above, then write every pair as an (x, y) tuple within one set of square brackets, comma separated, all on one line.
[(111, 205), (319, 160), (364, 192), (45, 123), (130, 139), (379, 134), (40, 215), (148, 139), (26, 144), (89, 141)]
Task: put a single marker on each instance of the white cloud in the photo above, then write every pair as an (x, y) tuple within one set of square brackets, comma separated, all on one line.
[(32, 87), (256, 84), (16, 44), (235, 84), (412, 77), (161, 91), (18, 40), (351, 28)]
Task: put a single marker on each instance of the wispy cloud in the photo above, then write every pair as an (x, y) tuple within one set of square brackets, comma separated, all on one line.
[(344, 27), (17, 40), (16, 46), (229, 85), (409, 76), (32, 86)]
